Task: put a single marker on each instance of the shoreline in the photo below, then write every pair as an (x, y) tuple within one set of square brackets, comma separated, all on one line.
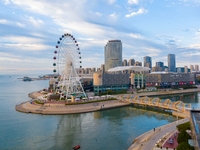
[(50, 108)]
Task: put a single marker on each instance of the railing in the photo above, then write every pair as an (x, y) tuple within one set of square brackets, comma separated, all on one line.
[(155, 102)]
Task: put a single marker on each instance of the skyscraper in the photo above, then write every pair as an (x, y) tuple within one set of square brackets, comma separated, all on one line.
[(191, 68), (196, 67), (171, 63), (186, 69), (147, 62), (113, 54)]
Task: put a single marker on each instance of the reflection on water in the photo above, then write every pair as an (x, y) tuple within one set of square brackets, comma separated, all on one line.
[(109, 129), (193, 98)]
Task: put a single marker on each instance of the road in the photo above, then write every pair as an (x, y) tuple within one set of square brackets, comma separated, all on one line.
[(150, 144)]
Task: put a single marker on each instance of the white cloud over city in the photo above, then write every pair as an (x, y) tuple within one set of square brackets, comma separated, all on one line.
[(29, 31)]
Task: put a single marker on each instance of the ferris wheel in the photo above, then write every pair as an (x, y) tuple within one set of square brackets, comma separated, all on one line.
[(67, 61)]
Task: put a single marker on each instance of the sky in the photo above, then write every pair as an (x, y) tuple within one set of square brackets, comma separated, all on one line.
[(30, 29)]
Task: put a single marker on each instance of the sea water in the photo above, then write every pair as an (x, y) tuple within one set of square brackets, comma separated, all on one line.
[(102, 130)]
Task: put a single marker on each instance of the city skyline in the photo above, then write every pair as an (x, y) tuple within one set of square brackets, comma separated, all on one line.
[(30, 29)]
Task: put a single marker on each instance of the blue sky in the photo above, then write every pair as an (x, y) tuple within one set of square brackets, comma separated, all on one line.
[(30, 29)]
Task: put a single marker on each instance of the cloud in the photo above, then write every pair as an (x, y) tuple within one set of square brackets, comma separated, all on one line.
[(139, 12), (20, 39), (131, 2), (98, 14), (35, 21), (27, 47), (23, 43), (136, 36), (4, 21), (20, 24), (111, 1), (6, 2)]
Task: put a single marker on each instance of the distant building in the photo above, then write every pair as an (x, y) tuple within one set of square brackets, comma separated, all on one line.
[(160, 64), (169, 80), (103, 68), (113, 54), (186, 69), (137, 63), (125, 62), (191, 68), (156, 69), (147, 62), (131, 62), (197, 68), (171, 63), (180, 70)]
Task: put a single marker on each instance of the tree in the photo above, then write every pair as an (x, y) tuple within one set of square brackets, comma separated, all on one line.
[(183, 136), (184, 146)]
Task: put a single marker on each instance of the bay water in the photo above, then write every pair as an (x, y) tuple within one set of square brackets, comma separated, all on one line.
[(102, 130)]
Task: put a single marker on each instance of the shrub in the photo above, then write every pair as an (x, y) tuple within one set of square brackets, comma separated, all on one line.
[(183, 136), (184, 126), (38, 102), (184, 146)]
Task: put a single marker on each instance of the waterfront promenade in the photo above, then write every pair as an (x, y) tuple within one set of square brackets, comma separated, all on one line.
[(54, 107), (160, 136)]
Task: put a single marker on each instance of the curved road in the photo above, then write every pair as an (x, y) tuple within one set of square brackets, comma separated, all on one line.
[(152, 137)]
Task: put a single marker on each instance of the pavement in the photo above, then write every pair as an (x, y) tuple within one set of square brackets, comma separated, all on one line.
[(55, 108), (148, 140)]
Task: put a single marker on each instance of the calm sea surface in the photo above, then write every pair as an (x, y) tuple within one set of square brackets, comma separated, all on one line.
[(103, 130)]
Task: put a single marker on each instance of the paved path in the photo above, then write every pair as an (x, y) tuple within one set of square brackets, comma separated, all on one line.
[(148, 140), (60, 108)]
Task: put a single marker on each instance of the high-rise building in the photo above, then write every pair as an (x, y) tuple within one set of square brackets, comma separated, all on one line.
[(125, 62), (160, 64), (191, 68), (196, 67), (147, 62), (186, 69), (171, 63), (113, 54), (131, 62), (102, 68)]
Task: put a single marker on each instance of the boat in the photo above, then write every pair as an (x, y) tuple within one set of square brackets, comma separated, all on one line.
[(26, 79), (76, 147)]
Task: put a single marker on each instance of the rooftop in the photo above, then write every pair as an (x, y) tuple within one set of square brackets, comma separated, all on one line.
[(134, 68)]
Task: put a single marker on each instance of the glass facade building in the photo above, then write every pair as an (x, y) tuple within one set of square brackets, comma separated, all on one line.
[(160, 64), (171, 63), (147, 62), (113, 54)]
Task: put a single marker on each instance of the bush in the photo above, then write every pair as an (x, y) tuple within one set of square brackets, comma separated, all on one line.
[(183, 136), (38, 102), (184, 126), (184, 146)]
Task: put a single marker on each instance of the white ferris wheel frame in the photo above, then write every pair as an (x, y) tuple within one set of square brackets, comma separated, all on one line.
[(68, 61)]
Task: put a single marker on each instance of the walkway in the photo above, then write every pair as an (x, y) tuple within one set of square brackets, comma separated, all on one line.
[(148, 140), (52, 108)]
